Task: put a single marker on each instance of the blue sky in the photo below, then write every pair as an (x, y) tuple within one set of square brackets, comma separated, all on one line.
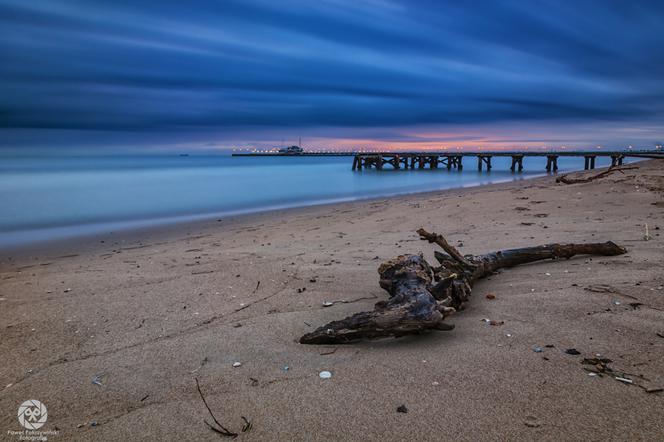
[(217, 74)]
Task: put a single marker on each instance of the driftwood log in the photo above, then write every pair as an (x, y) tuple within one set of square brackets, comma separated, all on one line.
[(566, 180), (422, 296)]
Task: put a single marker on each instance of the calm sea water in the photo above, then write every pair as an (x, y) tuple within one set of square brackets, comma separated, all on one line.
[(56, 197)]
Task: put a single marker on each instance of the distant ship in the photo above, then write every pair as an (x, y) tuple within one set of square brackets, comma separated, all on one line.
[(292, 150)]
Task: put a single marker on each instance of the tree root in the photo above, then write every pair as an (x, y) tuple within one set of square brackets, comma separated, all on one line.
[(421, 296)]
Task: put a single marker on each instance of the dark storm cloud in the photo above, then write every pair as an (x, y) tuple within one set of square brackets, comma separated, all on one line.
[(223, 65)]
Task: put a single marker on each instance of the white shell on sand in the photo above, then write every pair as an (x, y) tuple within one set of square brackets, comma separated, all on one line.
[(325, 374)]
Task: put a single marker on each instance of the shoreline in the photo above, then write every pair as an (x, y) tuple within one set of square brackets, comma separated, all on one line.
[(124, 229), (171, 226)]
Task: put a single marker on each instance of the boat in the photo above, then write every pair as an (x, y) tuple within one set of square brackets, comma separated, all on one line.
[(291, 150)]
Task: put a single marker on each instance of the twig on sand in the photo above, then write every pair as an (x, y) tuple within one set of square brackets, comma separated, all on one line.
[(442, 242), (247, 425), (221, 430), (563, 179)]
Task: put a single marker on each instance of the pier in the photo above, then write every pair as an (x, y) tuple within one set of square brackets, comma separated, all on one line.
[(455, 160)]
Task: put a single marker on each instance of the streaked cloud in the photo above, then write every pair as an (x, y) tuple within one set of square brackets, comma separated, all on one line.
[(241, 71)]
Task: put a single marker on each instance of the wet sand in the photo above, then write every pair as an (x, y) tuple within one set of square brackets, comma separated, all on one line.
[(145, 313)]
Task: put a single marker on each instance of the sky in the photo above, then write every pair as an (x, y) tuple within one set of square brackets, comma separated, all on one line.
[(104, 75)]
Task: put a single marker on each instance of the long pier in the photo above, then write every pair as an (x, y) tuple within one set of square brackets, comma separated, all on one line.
[(454, 160)]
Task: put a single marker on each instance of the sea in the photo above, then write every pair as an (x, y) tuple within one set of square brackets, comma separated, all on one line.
[(49, 197)]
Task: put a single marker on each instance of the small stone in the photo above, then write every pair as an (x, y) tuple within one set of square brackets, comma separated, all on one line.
[(572, 351), (237, 364), (402, 409), (490, 296), (531, 421), (328, 304), (325, 374), (537, 349)]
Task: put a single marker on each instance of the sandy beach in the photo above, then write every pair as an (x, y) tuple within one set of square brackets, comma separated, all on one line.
[(110, 332)]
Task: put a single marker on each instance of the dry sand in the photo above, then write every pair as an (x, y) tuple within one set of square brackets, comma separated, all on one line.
[(147, 312)]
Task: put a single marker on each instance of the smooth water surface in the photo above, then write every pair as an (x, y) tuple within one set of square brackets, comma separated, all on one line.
[(61, 196)]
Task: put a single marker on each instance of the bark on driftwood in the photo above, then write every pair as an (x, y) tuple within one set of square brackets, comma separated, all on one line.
[(421, 296), (565, 180)]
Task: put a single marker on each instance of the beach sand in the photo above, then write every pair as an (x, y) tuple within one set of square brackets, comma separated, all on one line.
[(145, 313)]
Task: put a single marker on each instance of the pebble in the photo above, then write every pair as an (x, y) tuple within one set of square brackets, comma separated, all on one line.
[(325, 374), (531, 421), (237, 364)]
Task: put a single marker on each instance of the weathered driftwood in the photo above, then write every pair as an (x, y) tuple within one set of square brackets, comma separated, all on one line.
[(422, 296), (565, 180)]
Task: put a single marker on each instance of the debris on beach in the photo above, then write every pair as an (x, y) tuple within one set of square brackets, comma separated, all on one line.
[(599, 367), (402, 409), (490, 296), (219, 428), (247, 425), (325, 374), (325, 353), (203, 362), (531, 421), (422, 296), (565, 180), (601, 288), (237, 364), (572, 351), (96, 380)]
